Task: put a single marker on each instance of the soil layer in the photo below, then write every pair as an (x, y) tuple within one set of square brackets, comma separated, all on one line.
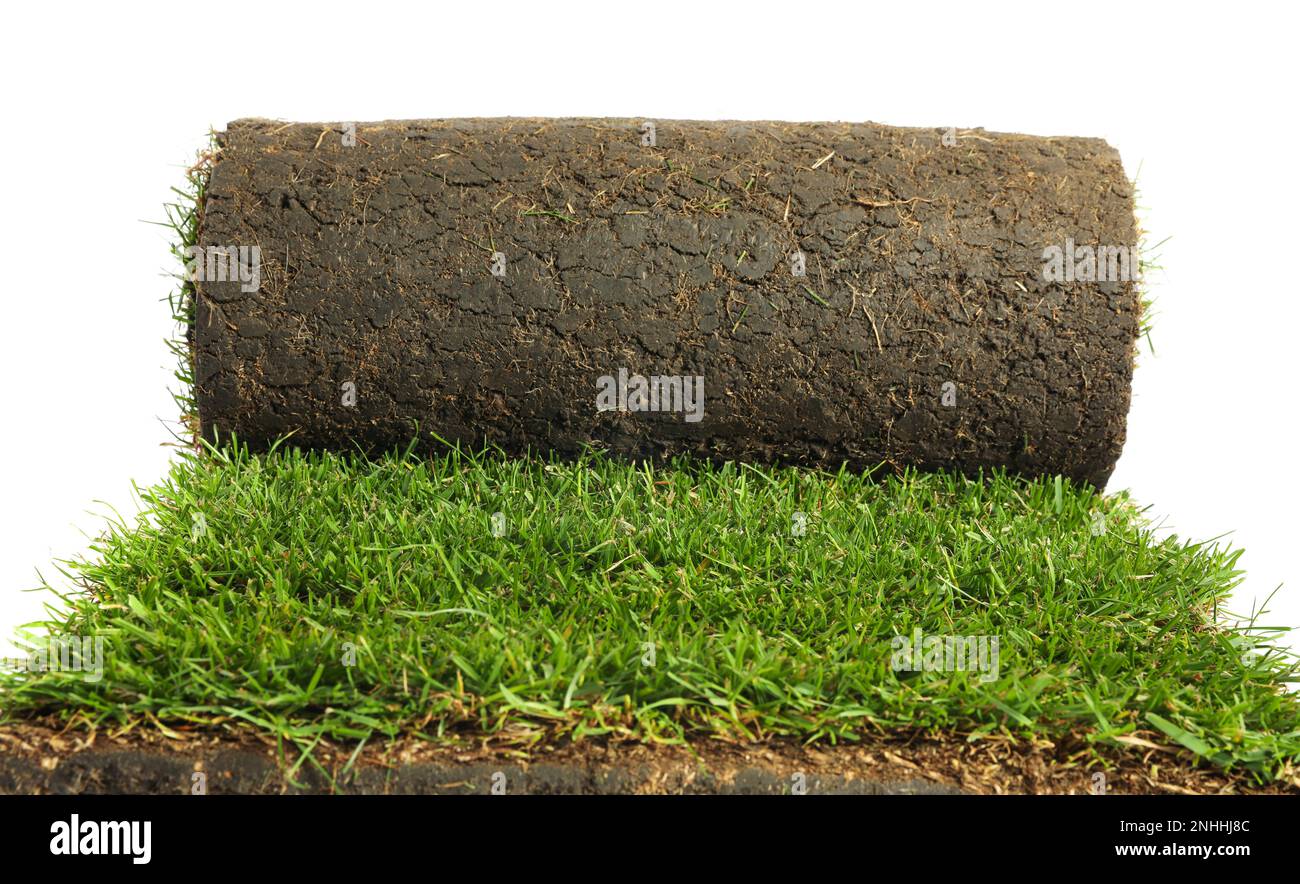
[(40, 759), (849, 293)]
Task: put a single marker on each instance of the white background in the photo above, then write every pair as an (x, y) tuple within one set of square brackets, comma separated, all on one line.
[(104, 105)]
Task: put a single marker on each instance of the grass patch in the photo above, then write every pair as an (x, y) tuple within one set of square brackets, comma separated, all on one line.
[(325, 595)]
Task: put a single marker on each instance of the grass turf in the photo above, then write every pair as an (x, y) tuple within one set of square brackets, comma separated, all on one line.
[(325, 595)]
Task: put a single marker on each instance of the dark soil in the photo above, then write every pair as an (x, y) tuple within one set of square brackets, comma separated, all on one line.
[(36, 758), (924, 268)]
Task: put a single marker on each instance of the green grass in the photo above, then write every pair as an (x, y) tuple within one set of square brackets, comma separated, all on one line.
[(249, 584), (182, 219), (1148, 265)]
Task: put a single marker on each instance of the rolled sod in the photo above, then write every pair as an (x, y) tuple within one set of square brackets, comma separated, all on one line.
[(822, 294)]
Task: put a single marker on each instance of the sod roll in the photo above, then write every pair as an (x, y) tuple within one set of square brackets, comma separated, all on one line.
[(805, 293)]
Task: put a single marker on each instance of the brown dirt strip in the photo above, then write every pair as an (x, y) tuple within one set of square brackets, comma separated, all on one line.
[(36, 758)]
